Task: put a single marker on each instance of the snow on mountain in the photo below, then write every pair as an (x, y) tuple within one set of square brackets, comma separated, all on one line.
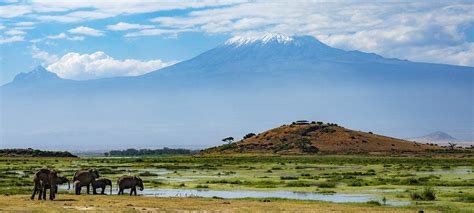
[(264, 39)]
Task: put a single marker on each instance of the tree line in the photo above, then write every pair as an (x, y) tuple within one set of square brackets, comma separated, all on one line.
[(34, 153), (141, 152)]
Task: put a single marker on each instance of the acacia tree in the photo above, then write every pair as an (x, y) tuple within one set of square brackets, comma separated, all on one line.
[(452, 145), (228, 139)]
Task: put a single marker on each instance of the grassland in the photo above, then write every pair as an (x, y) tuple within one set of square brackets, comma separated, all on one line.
[(394, 179)]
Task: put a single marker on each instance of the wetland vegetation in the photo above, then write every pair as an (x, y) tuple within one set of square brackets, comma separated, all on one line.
[(421, 182)]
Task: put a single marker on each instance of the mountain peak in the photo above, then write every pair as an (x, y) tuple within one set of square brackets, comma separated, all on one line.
[(39, 73), (264, 39), (438, 135)]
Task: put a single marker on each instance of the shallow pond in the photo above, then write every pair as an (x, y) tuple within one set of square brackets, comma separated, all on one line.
[(337, 198)]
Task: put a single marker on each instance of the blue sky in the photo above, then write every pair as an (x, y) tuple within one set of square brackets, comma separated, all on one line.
[(79, 39)]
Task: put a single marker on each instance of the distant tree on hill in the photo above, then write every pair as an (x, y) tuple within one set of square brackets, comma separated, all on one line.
[(249, 135), (228, 139)]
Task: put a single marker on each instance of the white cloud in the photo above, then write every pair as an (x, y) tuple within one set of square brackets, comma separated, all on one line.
[(154, 32), (11, 39), (15, 32), (99, 65), (64, 36), (123, 26), (11, 11), (86, 31), (92, 10), (43, 56)]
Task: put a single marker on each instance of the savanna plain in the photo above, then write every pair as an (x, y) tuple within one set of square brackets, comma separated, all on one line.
[(248, 183)]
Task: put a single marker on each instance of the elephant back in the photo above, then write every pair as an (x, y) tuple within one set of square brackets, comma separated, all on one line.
[(84, 177), (126, 181)]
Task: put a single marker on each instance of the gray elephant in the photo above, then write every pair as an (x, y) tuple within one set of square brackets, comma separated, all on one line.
[(129, 182), (85, 178), (45, 179), (103, 183)]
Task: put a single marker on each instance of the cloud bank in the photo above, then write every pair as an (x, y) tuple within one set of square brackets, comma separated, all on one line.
[(427, 31), (100, 65)]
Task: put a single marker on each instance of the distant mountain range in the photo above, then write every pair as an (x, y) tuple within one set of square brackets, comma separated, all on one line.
[(441, 138), (247, 84)]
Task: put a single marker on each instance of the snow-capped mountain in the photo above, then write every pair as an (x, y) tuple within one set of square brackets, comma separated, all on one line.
[(247, 84)]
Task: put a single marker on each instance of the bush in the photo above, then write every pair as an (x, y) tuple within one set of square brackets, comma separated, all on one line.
[(288, 178), (249, 135), (427, 194), (202, 186), (327, 185)]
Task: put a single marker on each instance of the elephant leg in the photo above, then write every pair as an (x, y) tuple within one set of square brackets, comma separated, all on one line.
[(88, 188), (135, 191), (44, 193), (40, 193), (131, 191), (51, 194), (103, 190), (94, 190), (35, 189)]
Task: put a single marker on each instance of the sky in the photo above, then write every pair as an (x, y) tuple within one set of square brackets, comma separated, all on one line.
[(80, 39)]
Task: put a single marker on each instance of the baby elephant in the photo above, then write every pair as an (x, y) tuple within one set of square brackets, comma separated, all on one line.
[(102, 183), (129, 182)]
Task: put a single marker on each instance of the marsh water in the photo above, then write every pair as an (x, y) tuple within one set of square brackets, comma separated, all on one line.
[(236, 194), (233, 194)]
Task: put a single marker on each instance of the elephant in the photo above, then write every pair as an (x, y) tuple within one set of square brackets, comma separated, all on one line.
[(85, 178), (102, 183), (129, 182), (45, 179)]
